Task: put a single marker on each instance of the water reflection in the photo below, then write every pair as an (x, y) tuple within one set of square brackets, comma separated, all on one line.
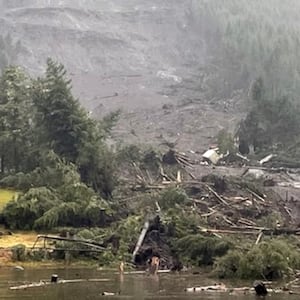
[(135, 287)]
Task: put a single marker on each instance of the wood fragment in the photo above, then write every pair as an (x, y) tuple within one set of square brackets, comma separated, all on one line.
[(256, 195), (158, 209), (79, 241), (217, 195), (259, 238), (140, 240), (208, 214), (246, 222), (178, 179), (46, 282), (228, 221)]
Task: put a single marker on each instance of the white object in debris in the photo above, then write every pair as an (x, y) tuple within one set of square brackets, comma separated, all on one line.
[(255, 173), (242, 157), (212, 156), (266, 159), (169, 75)]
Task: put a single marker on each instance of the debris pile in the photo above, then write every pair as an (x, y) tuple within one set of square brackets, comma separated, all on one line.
[(224, 201)]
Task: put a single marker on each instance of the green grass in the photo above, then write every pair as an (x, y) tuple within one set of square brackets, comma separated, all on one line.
[(6, 196)]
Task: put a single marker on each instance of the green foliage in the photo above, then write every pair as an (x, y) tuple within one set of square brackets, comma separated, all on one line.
[(269, 120), (26, 209), (225, 142), (249, 39), (15, 122), (180, 223), (63, 201), (52, 172), (270, 221), (129, 153), (130, 228), (228, 265), (52, 151), (172, 197), (18, 252), (267, 260), (199, 250)]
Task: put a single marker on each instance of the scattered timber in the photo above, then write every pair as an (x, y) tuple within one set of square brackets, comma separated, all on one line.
[(259, 289), (253, 230), (43, 283)]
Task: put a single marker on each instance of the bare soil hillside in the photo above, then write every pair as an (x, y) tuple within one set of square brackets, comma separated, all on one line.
[(148, 58)]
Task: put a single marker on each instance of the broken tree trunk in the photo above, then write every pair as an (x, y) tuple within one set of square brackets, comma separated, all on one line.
[(140, 240), (77, 241), (217, 195)]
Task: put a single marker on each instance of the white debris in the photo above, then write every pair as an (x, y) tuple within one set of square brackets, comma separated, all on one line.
[(212, 155), (266, 159), (168, 75)]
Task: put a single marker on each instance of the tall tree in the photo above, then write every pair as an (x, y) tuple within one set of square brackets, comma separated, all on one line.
[(65, 127), (15, 119)]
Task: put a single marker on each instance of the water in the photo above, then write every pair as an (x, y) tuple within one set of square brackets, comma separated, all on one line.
[(135, 287)]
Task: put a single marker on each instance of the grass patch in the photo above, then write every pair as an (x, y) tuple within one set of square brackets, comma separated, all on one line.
[(6, 196), (26, 238)]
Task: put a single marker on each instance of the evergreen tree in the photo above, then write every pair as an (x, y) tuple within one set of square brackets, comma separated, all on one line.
[(67, 129), (15, 119)]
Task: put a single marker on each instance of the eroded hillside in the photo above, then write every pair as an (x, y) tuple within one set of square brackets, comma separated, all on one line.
[(171, 66)]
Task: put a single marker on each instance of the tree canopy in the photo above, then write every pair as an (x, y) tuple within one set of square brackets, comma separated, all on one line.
[(52, 151)]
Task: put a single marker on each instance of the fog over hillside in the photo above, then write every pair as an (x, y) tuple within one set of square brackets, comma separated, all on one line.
[(141, 55)]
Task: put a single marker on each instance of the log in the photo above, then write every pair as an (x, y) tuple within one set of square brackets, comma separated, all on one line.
[(140, 240), (259, 237), (46, 282), (256, 195), (252, 230), (217, 195), (260, 288), (79, 241)]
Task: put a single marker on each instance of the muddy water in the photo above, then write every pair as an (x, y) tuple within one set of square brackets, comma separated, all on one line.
[(136, 287)]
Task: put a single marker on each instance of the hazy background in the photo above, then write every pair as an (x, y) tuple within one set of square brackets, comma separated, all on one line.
[(176, 68)]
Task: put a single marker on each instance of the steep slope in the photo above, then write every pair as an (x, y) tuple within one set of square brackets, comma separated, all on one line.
[(194, 58)]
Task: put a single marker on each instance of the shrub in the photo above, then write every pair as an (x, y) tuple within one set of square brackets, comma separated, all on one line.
[(18, 252), (268, 260), (199, 250), (172, 197)]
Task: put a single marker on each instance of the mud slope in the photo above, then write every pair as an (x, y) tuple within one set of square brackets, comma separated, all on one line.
[(145, 57)]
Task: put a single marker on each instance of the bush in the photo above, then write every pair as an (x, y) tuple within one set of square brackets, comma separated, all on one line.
[(172, 197), (18, 252), (228, 265), (199, 250), (225, 142), (268, 260), (71, 205)]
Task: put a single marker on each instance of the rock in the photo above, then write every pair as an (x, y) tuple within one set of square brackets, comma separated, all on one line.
[(54, 278), (19, 268), (260, 288)]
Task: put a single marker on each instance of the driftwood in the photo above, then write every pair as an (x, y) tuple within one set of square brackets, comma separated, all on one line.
[(43, 283), (221, 288)]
